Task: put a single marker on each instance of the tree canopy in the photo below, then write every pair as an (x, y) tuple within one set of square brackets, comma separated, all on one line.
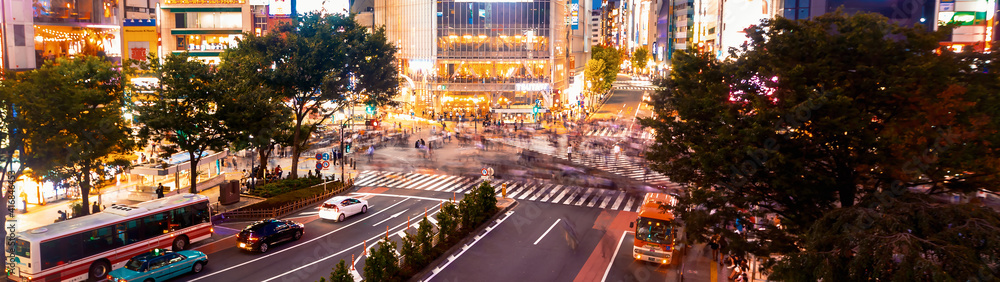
[(70, 117), (813, 117), (640, 57), (612, 61)]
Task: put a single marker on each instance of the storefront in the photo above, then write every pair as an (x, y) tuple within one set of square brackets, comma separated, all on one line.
[(140, 39), (52, 41)]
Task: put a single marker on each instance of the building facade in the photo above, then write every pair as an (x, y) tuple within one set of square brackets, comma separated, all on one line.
[(40, 30), (975, 20), (466, 58), (203, 27)]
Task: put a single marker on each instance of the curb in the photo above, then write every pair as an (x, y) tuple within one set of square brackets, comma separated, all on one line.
[(420, 276)]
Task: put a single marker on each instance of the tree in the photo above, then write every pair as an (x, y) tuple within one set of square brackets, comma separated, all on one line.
[(594, 74), (639, 59), (413, 259), (814, 115), (70, 112), (254, 113), (612, 60), (340, 274), (382, 263), (448, 219), (11, 135), (315, 61), (184, 110)]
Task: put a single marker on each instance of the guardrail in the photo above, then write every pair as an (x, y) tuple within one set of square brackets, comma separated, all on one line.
[(257, 214)]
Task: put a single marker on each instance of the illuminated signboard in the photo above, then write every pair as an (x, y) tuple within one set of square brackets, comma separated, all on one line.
[(494, 1), (531, 86), (574, 15), (963, 18), (280, 7)]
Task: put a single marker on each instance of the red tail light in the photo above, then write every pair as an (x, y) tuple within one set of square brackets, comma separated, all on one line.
[(330, 206)]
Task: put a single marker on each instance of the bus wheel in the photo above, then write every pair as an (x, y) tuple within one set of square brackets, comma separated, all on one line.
[(99, 270), (180, 244)]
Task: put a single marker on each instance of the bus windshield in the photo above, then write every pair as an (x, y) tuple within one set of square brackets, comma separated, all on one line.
[(22, 248), (653, 230), (135, 264)]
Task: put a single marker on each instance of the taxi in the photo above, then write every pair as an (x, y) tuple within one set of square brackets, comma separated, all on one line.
[(159, 265)]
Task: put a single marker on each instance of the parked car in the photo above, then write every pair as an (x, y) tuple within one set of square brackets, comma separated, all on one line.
[(261, 235), (339, 208), (159, 265)]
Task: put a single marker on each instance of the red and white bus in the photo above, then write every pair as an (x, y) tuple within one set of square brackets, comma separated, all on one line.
[(89, 247)]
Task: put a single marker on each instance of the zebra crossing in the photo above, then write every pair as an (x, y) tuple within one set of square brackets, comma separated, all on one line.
[(621, 165), (537, 192), (610, 132), (635, 88)]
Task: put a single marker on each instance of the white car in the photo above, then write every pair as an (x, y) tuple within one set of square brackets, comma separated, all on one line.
[(339, 208)]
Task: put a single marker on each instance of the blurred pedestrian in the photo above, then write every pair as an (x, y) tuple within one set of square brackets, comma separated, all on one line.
[(95, 208), (159, 191)]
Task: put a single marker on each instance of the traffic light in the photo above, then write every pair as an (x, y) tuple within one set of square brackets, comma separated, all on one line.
[(374, 123), (534, 110), (347, 148), (370, 109)]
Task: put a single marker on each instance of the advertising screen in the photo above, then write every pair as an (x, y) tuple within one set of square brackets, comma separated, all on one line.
[(323, 6), (280, 7)]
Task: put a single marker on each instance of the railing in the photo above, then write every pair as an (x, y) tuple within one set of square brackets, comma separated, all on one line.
[(256, 214)]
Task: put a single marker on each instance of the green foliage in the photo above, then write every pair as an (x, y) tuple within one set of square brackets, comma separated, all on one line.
[(382, 263), (70, 120), (290, 197), (813, 116), (594, 74), (183, 110), (612, 60), (425, 239), (448, 219), (413, 259), (640, 57), (284, 186), (477, 207), (340, 273)]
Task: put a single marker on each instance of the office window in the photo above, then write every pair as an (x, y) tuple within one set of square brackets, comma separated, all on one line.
[(18, 35), (790, 13), (804, 3), (180, 20), (803, 13)]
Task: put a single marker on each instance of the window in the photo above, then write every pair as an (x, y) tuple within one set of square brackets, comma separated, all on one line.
[(181, 42), (61, 251), (790, 14), (803, 3), (18, 35), (99, 240), (22, 248), (156, 224), (180, 20), (129, 232), (790, 4), (158, 262), (175, 257), (803, 13)]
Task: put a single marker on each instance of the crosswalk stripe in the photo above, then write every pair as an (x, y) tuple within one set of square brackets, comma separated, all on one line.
[(426, 179), (525, 194), (399, 179), (571, 196), (433, 220), (629, 205), (596, 199), (610, 195), (447, 181), (618, 201), (436, 183), (555, 199), (401, 234), (545, 191), (498, 186), (456, 185), (416, 178), (584, 196)]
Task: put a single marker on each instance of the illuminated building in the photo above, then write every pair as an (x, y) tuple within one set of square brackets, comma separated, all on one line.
[(39, 30), (976, 20), (478, 57), (205, 27)]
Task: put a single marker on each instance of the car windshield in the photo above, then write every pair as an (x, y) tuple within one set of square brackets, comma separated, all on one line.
[(653, 230), (135, 264)]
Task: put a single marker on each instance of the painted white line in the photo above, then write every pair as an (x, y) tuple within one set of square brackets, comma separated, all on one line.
[(547, 231), (611, 195), (552, 192), (401, 234), (597, 198), (572, 195), (223, 227), (321, 259), (467, 247), (296, 245), (400, 196), (515, 189), (540, 193), (390, 217), (459, 183), (445, 181), (557, 198), (620, 241), (627, 206), (425, 179), (308, 213), (432, 220), (584, 197), (532, 190), (621, 196)]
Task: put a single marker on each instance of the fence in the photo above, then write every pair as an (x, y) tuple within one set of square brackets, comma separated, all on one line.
[(246, 213)]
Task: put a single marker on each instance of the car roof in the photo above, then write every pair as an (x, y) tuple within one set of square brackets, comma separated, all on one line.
[(336, 199)]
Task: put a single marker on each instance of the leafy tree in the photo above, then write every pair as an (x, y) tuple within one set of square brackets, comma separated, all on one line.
[(184, 109), (315, 61), (11, 135), (339, 274), (382, 263), (71, 120), (813, 116), (425, 238), (255, 114), (612, 60), (594, 74), (640, 57), (448, 219), (413, 259)]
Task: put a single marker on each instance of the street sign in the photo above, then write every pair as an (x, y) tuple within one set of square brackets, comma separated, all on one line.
[(319, 156), (326, 156), (319, 165), (488, 171), (326, 164)]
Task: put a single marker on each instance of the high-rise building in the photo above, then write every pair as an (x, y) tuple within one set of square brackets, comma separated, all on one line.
[(975, 20), (468, 58), (596, 31)]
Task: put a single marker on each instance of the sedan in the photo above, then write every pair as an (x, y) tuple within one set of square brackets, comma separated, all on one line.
[(339, 208), (159, 265), (261, 235)]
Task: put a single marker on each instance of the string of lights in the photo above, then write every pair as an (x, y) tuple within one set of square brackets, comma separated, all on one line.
[(49, 35)]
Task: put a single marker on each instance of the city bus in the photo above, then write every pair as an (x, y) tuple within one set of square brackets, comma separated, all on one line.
[(89, 247), (655, 230)]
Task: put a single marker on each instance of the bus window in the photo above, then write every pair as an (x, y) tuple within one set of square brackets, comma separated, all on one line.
[(129, 232), (99, 240), (201, 214), (22, 248), (156, 224), (61, 251)]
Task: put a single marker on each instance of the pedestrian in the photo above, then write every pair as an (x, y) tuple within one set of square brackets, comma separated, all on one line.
[(416, 145), (159, 190), (722, 249), (569, 152), (714, 244), (62, 215), (95, 208)]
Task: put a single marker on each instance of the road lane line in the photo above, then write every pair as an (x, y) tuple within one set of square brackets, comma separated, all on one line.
[(597, 198), (456, 184), (428, 178), (296, 245), (515, 189), (336, 254), (552, 192), (629, 205), (572, 195), (444, 181), (532, 190), (489, 229), (620, 241), (547, 231)]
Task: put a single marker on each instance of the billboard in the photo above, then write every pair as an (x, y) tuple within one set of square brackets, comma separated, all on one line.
[(323, 6), (574, 14), (280, 7), (140, 38)]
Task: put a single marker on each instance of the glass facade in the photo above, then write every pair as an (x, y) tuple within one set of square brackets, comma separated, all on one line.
[(493, 54)]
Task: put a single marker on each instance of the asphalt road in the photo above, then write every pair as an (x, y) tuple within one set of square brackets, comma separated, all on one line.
[(626, 102)]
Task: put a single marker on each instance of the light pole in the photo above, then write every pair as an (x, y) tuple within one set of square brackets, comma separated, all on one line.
[(343, 157)]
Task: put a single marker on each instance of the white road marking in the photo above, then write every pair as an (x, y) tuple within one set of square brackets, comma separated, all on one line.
[(539, 194), (584, 197), (557, 198), (529, 191), (620, 241), (627, 206), (621, 196), (390, 217), (437, 270), (611, 195), (296, 245), (571, 196), (547, 231), (446, 181)]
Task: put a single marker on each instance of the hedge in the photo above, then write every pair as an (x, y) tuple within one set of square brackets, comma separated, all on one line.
[(284, 186), (291, 197)]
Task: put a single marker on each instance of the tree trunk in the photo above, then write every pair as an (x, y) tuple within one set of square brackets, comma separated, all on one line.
[(262, 168), (194, 173), (85, 189), (847, 189), (294, 171)]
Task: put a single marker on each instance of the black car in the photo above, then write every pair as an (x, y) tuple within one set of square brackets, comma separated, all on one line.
[(259, 236)]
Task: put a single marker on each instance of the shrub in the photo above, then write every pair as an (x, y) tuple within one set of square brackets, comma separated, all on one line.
[(284, 186), (413, 259), (382, 263), (291, 197), (447, 222)]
